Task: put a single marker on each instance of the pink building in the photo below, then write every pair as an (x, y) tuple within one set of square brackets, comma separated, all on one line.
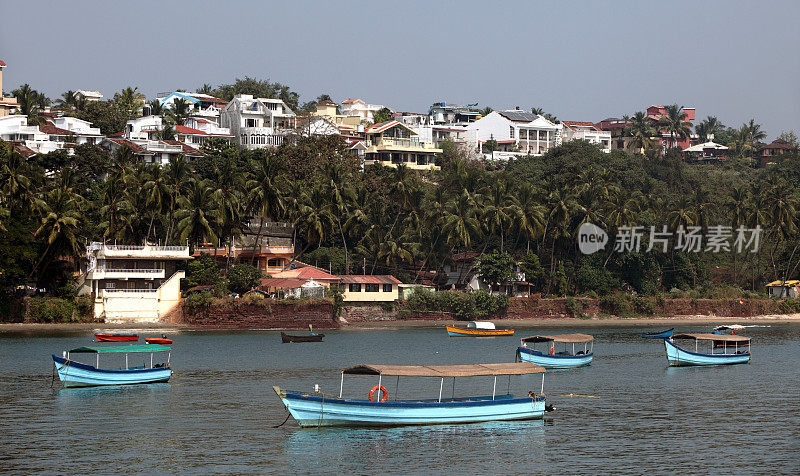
[(657, 111)]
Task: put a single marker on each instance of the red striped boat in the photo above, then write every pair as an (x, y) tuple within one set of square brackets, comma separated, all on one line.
[(116, 337), (158, 340)]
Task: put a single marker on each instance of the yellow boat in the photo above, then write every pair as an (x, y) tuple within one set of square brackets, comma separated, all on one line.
[(478, 329)]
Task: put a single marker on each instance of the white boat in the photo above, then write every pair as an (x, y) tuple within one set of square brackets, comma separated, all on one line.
[(733, 351), (561, 358)]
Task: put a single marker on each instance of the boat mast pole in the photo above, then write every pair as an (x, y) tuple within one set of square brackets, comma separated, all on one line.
[(341, 385), (494, 387), (97, 361), (126, 361), (441, 384), (542, 392)]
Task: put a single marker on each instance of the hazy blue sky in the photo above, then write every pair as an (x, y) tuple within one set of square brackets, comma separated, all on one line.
[(579, 60)]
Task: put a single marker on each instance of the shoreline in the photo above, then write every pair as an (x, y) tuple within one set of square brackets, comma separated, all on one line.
[(611, 322)]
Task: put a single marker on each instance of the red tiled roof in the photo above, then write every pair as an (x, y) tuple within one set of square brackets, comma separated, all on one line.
[(117, 134), (188, 130), (381, 126), (51, 129), (349, 101), (135, 148), (2, 63), (312, 272), (778, 144), (20, 147), (282, 283), (370, 279), (580, 123), (465, 256), (326, 103)]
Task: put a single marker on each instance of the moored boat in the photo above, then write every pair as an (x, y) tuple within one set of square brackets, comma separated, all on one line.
[(659, 335), (561, 359), (158, 340), (478, 329), (313, 409), (76, 374), (290, 338), (116, 337), (733, 350)]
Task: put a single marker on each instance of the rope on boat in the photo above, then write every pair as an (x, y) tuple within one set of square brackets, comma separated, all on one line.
[(575, 395), (284, 421)]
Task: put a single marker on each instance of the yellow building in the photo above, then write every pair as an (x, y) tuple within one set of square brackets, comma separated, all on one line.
[(392, 143), (329, 111), (6, 104), (370, 288)]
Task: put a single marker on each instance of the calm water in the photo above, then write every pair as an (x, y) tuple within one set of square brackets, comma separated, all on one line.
[(217, 413)]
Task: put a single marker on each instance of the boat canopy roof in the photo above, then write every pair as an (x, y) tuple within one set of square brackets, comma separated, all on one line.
[(480, 325), (567, 338), (120, 349), (468, 370), (717, 337), (731, 327)]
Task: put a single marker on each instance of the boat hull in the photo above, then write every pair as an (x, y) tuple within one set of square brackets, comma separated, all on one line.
[(554, 361), (453, 331), (158, 340), (74, 374), (289, 338), (116, 338), (658, 335), (678, 357), (313, 410)]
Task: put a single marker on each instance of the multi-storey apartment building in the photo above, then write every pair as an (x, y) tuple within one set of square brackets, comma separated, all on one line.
[(258, 122), (392, 143), (134, 282)]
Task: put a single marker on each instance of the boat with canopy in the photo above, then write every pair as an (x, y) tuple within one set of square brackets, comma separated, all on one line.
[(567, 358), (733, 350), (313, 409), (658, 335), (76, 374), (478, 329)]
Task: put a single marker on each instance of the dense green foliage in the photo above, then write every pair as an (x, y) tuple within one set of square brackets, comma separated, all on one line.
[(243, 277), (463, 306)]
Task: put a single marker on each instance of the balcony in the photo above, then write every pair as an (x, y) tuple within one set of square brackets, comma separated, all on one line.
[(143, 293), (124, 274), (144, 252), (399, 142)]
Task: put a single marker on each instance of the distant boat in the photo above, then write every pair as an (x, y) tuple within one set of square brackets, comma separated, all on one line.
[(478, 329), (76, 374), (116, 337), (314, 409), (289, 338), (158, 340), (557, 359), (658, 335), (678, 357)]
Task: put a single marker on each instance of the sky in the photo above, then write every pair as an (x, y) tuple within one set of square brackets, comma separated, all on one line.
[(581, 61)]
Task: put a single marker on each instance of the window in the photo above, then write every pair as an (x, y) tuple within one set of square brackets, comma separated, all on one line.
[(111, 285), (511, 131), (387, 288), (372, 288), (355, 287), (250, 123)]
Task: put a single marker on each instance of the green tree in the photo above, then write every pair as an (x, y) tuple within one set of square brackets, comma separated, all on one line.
[(130, 101), (382, 115), (243, 277), (674, 123), (496, 268)]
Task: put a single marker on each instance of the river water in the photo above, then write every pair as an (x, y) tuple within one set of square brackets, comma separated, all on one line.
[(217, 413)]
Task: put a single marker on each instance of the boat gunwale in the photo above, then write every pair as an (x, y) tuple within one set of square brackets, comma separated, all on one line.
[(704, 355), (79, 365), (539, 353), (417, 403)]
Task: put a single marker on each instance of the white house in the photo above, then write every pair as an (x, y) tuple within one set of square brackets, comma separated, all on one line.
[(88, 96), (588, 131), (357, 107), (57, 133), (194, 132), (517, 132), (153, 151), (258, 122), (134, 283)]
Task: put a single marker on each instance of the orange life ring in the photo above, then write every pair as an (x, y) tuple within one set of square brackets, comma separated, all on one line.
[(372, 393)]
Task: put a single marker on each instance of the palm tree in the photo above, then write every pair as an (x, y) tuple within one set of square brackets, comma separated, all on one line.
[(198, 214), (30, 102), (157, 194), (755, 133), (179, 112), (177, 176), (641, 132), (264, 196), (709, 128), (156, 108), (501, 211), (313, 217), (59, 226), (675, 124), (682, 214), (461, 225), (624, 208), (532, 213), (227, 195), (67, 102), (166, 133), (130, 100), (205, 89), (340, 197)]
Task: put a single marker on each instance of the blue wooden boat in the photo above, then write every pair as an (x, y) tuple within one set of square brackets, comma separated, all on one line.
[(659, 335), (314, 409), (733, 351), (557, 358), (76, 374)]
